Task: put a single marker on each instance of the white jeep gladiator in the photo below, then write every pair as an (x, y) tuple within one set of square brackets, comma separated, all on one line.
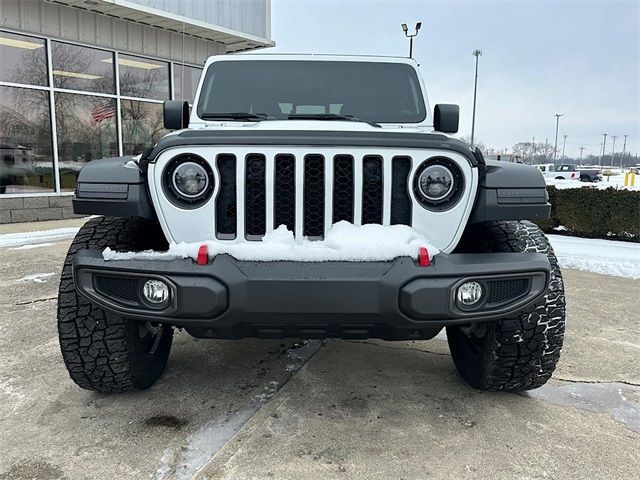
[(310, 196)]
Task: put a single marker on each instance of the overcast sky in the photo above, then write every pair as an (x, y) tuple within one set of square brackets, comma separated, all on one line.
[(578, 58)]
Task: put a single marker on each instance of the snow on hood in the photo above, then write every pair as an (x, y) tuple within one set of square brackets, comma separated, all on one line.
[(344, 242)]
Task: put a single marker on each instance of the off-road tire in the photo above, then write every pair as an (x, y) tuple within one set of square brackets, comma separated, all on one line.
[(103, 351), (517, 353)]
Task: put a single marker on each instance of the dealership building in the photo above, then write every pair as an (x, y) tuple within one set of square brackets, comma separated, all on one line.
[(85, 79)]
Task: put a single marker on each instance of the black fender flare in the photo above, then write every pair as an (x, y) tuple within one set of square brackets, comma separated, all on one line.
[(115, 187)]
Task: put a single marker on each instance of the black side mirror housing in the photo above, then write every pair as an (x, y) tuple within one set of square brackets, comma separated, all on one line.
[(176, 114), (446, 117)]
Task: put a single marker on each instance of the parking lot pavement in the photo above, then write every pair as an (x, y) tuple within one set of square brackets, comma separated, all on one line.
[(50, 428), (355, 410)]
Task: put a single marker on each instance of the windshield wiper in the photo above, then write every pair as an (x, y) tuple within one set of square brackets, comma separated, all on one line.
[(235, 116), (328, 116)]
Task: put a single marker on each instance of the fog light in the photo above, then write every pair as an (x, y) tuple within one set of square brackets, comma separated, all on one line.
[(156, 291), (469, 293)]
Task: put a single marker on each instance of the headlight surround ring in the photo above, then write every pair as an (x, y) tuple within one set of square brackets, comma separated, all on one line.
[(172, 187), (448, 170)]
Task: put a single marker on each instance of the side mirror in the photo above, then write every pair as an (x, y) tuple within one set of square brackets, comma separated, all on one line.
[(176, 114), (446, 117)]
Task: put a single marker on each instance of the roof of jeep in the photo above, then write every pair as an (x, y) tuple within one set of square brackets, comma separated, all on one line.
[(314, 56)]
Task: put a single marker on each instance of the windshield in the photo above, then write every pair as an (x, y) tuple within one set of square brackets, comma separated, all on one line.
[(371, 91)]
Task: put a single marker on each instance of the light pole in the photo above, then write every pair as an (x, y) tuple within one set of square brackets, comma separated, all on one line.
[(581, 149), (533, 147), (604, 146), (624, 150), (555, 148), (613, 148), (564, 144), (406, 33), (476, 53)]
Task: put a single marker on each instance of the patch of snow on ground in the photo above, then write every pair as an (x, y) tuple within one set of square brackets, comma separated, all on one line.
[(31, 247), (343, 242), (613, 181), (36, 277), (28, 238), (608, 257)]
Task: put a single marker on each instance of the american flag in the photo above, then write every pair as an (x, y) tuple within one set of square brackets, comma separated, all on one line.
[(103, 112)]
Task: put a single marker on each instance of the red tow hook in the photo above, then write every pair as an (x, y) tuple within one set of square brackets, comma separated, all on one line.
[(423, 257), (203, 255)]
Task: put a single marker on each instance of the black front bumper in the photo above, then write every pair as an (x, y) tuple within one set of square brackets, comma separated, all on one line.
[(228, 298)]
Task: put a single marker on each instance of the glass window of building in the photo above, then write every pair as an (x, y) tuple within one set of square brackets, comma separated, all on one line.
[(185, 82), (143, 78), (142, 125), (82, 68), (23, 59), (86, 129), (26, 152)]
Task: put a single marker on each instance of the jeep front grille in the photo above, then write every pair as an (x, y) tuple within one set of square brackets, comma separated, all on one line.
[(286, 189)]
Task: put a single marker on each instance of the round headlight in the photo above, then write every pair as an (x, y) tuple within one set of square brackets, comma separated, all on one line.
[(190, 179), (435, 182), (438, 184)]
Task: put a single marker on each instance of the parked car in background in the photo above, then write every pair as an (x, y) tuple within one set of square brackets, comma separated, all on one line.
[(16, 161), (590, 174), (559, 172)]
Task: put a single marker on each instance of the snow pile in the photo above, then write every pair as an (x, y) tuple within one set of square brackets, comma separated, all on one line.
[(344, 242), (36, 277), (608, 257), (613, 181), (28, 238)]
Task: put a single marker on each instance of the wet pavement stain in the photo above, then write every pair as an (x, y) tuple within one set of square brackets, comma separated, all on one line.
[(168, 421), (200, 446), (619, 400)]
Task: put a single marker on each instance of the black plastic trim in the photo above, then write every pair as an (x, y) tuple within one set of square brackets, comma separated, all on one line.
[(519, 206), (372, 139), (510, 191), (446, 118), (112, 186), (233, 297)]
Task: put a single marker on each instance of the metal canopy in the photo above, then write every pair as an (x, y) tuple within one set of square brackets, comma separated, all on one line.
[(234, 40)]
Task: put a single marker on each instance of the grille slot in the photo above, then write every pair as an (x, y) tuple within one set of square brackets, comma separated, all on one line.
[(284, 211), (501, 291), (118, 288), (372, 186), (343, 188), (255, 197), (400, 200), (226, 206), (313, 199)]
